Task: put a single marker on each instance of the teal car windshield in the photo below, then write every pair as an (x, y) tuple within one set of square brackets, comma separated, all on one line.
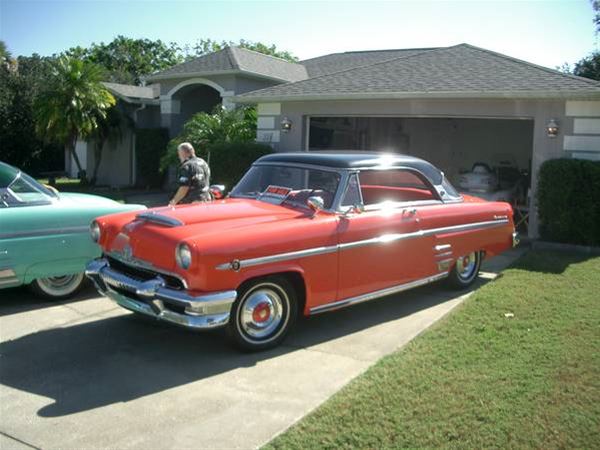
[(19, 189)]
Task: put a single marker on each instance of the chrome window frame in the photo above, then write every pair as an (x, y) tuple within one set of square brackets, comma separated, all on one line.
[(343, 173), (18, 202), (347, 173), (406, 204)]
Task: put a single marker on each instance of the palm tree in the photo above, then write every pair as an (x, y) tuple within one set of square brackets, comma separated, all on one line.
[(72, 103), (110, 128)]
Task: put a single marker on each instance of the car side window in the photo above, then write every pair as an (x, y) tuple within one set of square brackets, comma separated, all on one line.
[(352, 194), (394, 186)]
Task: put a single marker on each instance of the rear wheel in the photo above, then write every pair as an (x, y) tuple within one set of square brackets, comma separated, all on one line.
[(465, 270), (60, 287), (263, 314)]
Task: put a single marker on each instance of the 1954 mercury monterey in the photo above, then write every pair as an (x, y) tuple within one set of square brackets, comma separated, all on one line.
[(301, 233)]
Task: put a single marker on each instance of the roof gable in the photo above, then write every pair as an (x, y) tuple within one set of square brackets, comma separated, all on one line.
[(232, 60), (451, 71)]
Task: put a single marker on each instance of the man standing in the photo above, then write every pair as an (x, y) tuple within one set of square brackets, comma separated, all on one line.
[(193, 177)]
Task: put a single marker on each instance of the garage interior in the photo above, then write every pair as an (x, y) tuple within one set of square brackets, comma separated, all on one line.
[(456, 145)]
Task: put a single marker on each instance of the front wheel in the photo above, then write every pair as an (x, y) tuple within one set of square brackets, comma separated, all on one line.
[(58, 287), (263, 314), (465, 271)]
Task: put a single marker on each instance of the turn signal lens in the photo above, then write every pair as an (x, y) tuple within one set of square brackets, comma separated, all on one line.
[(95, 231), (183, 256)]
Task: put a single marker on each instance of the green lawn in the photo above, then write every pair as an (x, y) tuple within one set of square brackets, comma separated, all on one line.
[(478, 379)]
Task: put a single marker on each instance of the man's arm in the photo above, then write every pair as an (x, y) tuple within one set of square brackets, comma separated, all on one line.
[(179, 195)]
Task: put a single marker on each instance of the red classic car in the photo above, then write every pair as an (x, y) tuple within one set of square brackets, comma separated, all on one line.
[(301, 233)]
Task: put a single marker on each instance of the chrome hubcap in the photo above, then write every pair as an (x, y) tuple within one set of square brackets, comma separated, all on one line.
[(261, 312), (465, 266), (61, 285)]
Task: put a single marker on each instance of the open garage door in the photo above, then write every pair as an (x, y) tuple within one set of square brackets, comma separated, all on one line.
[(488, 157)]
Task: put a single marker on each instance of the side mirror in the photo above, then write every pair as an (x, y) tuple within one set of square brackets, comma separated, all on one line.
[(217, 191), (354, 209), (316, 204)]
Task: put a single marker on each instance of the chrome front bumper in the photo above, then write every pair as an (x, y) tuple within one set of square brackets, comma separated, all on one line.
[(154, 299)]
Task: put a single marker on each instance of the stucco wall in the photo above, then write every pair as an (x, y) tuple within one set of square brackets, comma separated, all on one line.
[(540, 111), (115, 166)]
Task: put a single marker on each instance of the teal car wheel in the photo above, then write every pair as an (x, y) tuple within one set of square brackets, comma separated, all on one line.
[(58, 287)]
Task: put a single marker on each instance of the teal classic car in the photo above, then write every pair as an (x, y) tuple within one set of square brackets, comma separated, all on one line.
[(44, 235)]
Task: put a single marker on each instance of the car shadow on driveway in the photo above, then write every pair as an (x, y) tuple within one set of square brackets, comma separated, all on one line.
[(118, 359), (20, 299)]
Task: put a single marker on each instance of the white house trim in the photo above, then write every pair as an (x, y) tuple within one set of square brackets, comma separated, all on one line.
[(205, 81)]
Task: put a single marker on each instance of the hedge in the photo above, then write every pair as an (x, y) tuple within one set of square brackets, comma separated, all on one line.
[(230, 161), (568, 198), (151, 144)]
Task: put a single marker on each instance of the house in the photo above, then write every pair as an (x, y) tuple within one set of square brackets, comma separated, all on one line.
[(454, 106)]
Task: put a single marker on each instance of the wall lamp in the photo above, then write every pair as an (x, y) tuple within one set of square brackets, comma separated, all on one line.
[(552, 128), (286, 125)]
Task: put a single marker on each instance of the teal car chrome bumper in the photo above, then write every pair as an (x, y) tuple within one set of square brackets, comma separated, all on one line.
[(153, 298)]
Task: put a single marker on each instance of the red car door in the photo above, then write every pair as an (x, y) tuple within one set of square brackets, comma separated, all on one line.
[(384, 246)]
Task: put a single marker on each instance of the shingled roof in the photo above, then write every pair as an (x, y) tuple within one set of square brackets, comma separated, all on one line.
[(459, 71), (235, 60), (335, 62), (131, 92)]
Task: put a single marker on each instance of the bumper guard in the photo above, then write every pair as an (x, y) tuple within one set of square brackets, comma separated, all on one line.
[(153, 298)]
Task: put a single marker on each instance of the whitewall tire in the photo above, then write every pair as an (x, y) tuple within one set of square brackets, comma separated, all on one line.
[(60, 287), (465, 270), (263, 314)]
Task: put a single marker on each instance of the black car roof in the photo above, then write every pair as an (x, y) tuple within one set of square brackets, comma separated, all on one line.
[(357, 160)]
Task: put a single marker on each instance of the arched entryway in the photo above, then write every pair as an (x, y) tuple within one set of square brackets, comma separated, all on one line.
[(193, 99), (189, 97)]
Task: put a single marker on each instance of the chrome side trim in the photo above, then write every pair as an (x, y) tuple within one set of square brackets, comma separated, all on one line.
[(466, 227), (442, 247), (383, 239), (376, 294), (445, 264), (8, 277), (155, 217), (45, 232), (237, 265)]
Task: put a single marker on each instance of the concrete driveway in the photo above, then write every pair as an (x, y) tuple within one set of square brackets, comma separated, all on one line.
[(87, 374)]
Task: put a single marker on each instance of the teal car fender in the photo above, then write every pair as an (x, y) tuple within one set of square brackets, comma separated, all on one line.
[(49, 240)]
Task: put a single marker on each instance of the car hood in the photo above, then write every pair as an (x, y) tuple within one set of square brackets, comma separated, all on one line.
[(77, 199), (202, 223)]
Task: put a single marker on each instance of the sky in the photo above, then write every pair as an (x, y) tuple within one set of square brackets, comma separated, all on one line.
[(545, 32)]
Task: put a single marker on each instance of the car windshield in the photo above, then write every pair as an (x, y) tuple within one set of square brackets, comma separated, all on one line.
[(288, 185), (19, 189)]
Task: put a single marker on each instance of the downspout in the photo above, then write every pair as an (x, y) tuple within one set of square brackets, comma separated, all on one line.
[(133, 176)]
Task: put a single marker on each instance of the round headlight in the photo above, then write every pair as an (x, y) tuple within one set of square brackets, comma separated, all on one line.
[(95, 231), (183, 256)]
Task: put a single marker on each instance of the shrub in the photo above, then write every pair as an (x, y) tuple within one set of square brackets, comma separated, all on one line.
[(151, 144), (204, 130), (229, 161), (569, 201)]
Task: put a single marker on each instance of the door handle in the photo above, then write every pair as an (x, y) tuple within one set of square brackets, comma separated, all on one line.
[(410, 211)]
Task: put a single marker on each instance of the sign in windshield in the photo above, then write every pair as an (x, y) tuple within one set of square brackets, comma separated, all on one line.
[(290, 185)]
